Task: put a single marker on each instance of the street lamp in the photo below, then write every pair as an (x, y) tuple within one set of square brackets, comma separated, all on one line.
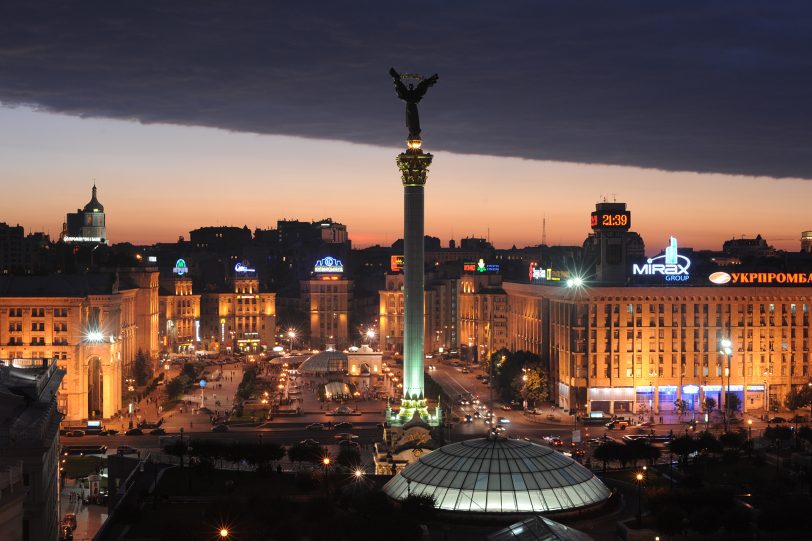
[(727, 351), (224, 533), (640, 478), (370, 336), (291, 336)]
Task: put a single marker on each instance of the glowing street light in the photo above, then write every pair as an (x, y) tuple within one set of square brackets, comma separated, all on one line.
[(358, 473), (223, 533), (292, 337)]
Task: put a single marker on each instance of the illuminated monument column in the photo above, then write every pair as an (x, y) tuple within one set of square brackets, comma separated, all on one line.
[(413, 165)]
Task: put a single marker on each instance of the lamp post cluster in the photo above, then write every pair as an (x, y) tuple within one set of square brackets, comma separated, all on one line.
[(727, 351)]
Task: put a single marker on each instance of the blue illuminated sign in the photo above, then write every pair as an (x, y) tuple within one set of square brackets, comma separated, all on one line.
[(329, 264), (243, 267), (672, 266)]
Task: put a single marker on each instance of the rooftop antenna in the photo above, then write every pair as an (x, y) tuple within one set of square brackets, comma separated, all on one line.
[(614, 198)]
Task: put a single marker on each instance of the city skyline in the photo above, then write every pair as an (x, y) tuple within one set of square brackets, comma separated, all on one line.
[(167, 168)]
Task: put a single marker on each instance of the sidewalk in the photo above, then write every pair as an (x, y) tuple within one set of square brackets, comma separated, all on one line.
[(89, 518)]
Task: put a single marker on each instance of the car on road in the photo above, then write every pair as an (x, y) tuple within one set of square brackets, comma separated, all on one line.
[(506, 407), (65, 533), (432, 367), (346, 436), (343, 425), (219, 428), (309, 442), (315, 426), (126, 450), (777, 420), (134, 432), (477, 415), (348, 443), (469, 419), (81, 450), (504, 420), (647, 424), (158, 432), (75, 433), (557, 442), (617, 423)]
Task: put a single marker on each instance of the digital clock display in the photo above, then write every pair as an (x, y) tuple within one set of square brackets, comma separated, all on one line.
[(611, 220)]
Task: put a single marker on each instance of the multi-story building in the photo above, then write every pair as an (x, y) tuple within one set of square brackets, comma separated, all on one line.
[(482, 313), (87, 225), (242, 319), (633, 349), (29, 435), (328, 295), (441, 313), (179, 319), (89, 323), (21, 253), (611, 247)]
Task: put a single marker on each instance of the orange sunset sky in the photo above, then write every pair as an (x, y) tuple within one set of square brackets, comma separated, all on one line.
[(160, 181)]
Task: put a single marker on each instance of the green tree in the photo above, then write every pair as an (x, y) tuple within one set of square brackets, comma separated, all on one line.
[(532, 384), (349, 457), (798, 397), (683, 446), (732, 402), (141, 371), (608, 451)]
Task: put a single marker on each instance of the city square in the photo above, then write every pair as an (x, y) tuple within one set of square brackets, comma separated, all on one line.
[(447, 273)]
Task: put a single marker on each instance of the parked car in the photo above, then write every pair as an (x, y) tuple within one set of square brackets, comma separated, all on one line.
[(126, 450), (315, 426), (343, 425), (134, 432), (70, 520), (309, 442), (65, 533), (158, 432), (345, 436), (777, 420), (219, 428), (75, 433)]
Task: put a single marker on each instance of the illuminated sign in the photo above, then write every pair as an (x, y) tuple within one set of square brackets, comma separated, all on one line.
[(480, 266), (82, 239), (243, 267), (760, 278), (152, 259), (537, 274), (328, 264), (180, 267), (611, 220), (672, 266), (396, 263)]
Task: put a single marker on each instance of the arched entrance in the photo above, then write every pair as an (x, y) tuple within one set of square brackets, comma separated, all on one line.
[(364, 369), (95, 389)]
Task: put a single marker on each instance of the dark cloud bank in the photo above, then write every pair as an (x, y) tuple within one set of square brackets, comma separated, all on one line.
[(719, 86)]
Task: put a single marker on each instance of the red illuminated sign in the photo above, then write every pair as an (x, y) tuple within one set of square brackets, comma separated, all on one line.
[(396, 263)]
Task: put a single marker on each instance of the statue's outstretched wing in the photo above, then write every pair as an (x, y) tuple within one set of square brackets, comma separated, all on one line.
[(424, 85), (400, 88)]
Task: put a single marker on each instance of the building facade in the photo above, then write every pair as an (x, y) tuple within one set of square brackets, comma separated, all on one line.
[(179, 319), (328, 297), (483, 314), (441, 314), (242, 319), (649, 349), (88, 323)]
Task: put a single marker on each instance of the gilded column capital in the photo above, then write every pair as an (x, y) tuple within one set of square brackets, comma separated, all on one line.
[(414, 166)]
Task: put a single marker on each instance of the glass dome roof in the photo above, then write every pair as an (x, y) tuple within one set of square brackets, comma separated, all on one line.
[(499, 476), (325, 362)]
